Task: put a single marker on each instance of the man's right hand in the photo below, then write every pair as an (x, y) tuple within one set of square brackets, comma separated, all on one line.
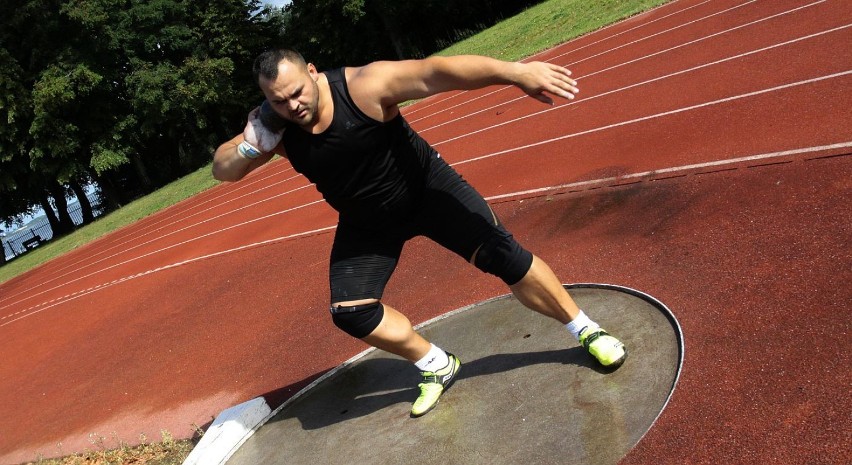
[(260, 136), (234, 159)]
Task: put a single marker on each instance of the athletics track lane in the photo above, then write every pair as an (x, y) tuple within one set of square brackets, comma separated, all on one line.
[(178, 330)]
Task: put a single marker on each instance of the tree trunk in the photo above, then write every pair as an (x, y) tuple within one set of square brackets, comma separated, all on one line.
[(44, 201), (141, 172), (395, 39), (66, 224), (85, 205), (109, 194)]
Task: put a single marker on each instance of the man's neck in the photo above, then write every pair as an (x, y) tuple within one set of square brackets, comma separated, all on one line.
[(325, 108)]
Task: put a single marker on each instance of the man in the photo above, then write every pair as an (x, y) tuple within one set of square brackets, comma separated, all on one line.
[(343, 130)]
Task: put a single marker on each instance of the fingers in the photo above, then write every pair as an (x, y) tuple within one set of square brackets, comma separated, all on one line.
[(553, 79), (561, 83)]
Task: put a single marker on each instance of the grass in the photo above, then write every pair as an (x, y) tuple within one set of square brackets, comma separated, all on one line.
[(167, 451), (545, 25), (538, 28)]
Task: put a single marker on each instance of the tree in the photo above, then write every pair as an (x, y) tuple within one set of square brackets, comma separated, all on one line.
[(353, 32), (16, 188), (132, 94), (31, 48), (180, 73), (129, 94)]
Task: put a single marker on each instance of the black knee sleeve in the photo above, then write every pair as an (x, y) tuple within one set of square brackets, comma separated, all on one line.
[(357, 320), (502, 256)]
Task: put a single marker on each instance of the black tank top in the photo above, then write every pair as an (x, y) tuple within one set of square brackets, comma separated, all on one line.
[(365, 169)]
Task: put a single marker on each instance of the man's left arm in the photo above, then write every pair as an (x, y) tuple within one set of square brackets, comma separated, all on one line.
[(394, 82)]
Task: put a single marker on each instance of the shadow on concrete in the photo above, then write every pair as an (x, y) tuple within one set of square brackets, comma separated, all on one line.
[(375, 384)]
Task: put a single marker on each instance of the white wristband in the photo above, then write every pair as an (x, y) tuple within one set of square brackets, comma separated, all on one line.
[(248, 151)]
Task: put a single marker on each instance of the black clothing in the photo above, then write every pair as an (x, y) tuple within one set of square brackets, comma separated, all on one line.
[(452, 213), (389, 185), (362, 167)]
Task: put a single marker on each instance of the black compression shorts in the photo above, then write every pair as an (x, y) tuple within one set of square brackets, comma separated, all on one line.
[(451, 213)]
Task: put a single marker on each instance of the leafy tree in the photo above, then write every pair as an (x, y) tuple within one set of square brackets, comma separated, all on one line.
[(31, 41), (353, 32), (178, 73), (129, 94)]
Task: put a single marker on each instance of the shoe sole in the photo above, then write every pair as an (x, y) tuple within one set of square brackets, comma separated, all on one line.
[(617, 363)]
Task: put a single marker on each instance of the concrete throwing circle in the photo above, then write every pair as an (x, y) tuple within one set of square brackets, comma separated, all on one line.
[(526, 392)]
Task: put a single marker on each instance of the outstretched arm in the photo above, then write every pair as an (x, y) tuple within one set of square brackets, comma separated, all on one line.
[(391, 82)]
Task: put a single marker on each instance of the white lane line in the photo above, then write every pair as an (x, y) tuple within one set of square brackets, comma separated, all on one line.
[(216, 194), (621, 89), (501, 89), (154, 252), (668, 30), (525, 193), (638, 119), (128, 235), (532, 58), (659, 115), (43, 281), (140, 234), (245, 186), (629, 30), (61, 300), (693, 42), (611, 50), (675, 169), (212, 195), (421, 131)]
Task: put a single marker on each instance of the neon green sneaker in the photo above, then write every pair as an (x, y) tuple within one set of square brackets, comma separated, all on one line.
[(607, 350), (433, 385)]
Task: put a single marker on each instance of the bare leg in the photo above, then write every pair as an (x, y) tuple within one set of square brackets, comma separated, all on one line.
[(540, 290), (395, 335)]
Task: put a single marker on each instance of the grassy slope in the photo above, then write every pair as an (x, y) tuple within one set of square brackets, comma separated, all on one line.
[(547, 24)]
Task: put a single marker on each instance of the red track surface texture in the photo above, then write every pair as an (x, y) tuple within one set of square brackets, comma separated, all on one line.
[(706, 162)]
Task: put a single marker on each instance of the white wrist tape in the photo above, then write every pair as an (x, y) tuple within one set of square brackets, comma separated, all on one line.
[(248, 151)]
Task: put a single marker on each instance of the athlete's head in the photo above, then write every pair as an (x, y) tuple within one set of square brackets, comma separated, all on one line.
[(289, 84)]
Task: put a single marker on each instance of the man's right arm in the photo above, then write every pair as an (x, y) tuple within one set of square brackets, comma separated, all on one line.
[(236, 158), (230, 165)]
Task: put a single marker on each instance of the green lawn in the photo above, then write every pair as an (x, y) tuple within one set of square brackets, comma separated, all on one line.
[(547, 24)]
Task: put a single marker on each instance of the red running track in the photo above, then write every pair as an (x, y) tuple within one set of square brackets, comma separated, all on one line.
[(705, 162)]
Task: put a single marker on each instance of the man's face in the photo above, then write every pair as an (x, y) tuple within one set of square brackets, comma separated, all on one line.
[(294, 93)]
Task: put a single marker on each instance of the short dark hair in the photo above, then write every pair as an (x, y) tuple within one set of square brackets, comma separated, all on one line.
[(266, 64)]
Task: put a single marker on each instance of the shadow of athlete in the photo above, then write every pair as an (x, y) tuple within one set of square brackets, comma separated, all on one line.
[(373, 385), (343, 130)]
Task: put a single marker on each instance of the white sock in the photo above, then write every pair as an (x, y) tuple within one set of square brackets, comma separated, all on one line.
[(580, 323), (434, 360)]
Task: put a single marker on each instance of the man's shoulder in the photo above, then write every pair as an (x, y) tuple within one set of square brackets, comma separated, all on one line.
[(336, 74), (368, 86)]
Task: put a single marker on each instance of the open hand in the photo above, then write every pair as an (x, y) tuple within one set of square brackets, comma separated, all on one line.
[(536, 78)]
